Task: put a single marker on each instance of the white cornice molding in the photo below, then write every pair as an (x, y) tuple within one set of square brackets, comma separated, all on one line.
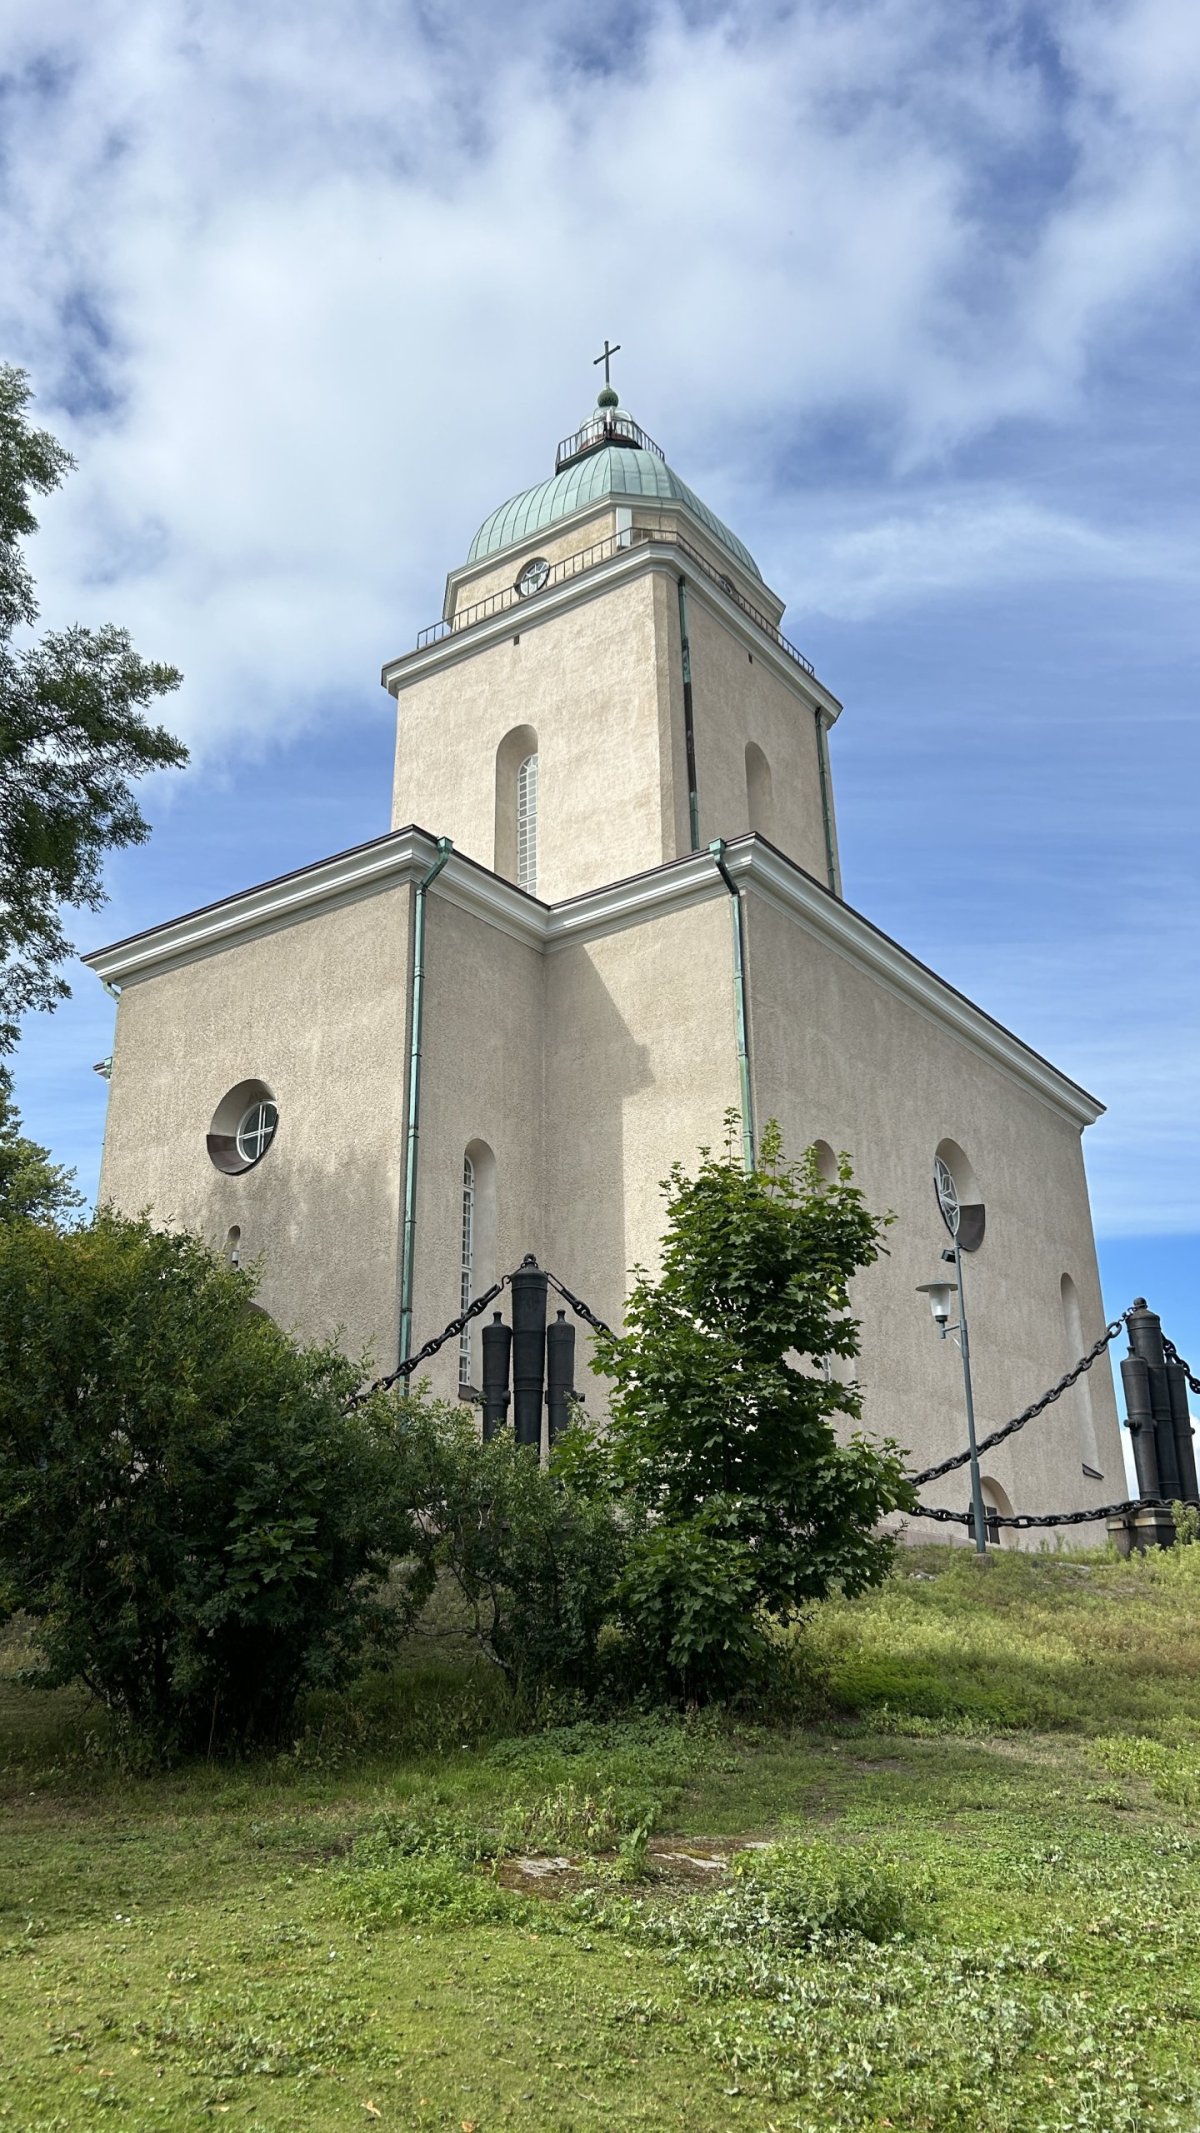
[(760, 868), (628, 563), (404, 856), (383, 863), (390, 862)]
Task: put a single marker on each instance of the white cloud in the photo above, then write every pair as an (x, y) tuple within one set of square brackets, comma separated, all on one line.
[(349, 271)]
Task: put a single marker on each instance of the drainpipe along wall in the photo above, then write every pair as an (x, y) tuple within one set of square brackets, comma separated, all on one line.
[(689, 727), (737, 914), (831, 860), (416, 1021)]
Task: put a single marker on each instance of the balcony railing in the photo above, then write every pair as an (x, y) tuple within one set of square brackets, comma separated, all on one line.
[(573, 566), (606, 426)]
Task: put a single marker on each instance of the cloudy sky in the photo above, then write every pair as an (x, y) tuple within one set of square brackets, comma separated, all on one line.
[(908, 291)]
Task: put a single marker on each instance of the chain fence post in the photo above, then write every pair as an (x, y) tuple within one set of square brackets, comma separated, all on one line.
[(529, 1285), (497, 1353), (560, 1374), (1152, 1427)]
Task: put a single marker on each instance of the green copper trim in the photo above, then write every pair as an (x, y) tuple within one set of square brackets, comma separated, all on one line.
[(717, 853), (415, 1032)]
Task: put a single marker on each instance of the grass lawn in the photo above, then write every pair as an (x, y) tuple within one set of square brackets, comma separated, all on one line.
[(977, 1905)]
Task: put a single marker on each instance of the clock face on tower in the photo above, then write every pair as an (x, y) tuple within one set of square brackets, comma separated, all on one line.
[(533, 576)]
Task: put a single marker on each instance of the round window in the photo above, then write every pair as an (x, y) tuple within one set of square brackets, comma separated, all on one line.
[(243, 1126), (257, 1131), (533, 576)]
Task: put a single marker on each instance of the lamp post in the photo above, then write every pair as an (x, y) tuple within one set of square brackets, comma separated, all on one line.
[(940, 1294)]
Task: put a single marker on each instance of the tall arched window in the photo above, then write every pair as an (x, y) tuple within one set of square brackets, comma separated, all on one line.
[(516, 807), (477, 1266), (527, 799), (760, 799), (466, 1283), (1081, 1393), (827, 1163)]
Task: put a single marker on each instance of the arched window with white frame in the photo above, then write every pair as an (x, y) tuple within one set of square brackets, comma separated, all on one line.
[(477, 1263), (516, 807), (527, 817), (466, 1282)]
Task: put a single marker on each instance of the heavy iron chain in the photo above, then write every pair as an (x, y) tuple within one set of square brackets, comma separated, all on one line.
[(1020, 1520), (1044, 1518), (422, 1355), (1050, 1518), (580, 1309), (1036, 1407), (1173, 1356), (458, 1325)]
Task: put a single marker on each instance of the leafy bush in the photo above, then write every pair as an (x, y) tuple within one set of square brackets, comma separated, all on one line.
[(794, 1895), (721, 1441), (783, 1899), (198, 1531), (688, 1600), (535, 1553)]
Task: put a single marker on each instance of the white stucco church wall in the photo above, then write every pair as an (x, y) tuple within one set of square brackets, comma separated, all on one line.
[(588, 725)]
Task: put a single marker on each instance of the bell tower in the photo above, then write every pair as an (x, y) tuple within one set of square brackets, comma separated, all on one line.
[(608, 687)]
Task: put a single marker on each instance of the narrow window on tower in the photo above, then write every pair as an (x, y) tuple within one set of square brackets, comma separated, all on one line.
[(516, 753), (527, 799), (468, 1267)]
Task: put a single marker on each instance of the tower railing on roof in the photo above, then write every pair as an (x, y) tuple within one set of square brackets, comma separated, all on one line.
[(606, 426), (573, 566)]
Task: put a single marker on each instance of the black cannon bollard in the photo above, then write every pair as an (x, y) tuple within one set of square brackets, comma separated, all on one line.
[(560, 1374), (1156, 1405), (528, 1350), (497, 1351)]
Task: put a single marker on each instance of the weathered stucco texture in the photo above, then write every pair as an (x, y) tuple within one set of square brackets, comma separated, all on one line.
[(481, 1081), (316, 1010), (738, 701), (838, 1056), (641, 1066), (585, 682)]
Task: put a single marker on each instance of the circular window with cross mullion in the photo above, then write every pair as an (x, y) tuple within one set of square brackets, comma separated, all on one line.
[(257, 1130), (243, 1127), (533, 576)]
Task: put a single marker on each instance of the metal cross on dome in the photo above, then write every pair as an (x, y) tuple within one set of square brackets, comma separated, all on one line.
[(605, 357)]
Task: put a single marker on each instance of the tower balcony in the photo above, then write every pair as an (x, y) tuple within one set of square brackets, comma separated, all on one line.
[(609, 425), (586, 559)]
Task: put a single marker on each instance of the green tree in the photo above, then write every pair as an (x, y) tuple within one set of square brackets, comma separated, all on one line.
[(72, 737), (198, 1529), (31, 1185), (722, 1414)]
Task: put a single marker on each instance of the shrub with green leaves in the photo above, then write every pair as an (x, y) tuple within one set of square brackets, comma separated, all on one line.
[(198, 1530), (535, 1553), (722, 1415)]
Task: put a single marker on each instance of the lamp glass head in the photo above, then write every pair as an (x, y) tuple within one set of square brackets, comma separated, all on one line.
[(939, 1294)]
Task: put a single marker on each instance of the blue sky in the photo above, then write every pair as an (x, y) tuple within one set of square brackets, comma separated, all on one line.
[(908, 291)]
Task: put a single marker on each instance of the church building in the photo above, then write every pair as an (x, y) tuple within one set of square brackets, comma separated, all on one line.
[(610, 911)]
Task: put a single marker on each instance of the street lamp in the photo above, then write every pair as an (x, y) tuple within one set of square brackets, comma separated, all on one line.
[(940, 1294)]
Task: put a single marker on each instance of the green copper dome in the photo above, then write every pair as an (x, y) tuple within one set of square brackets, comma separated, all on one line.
[(591, 472)]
